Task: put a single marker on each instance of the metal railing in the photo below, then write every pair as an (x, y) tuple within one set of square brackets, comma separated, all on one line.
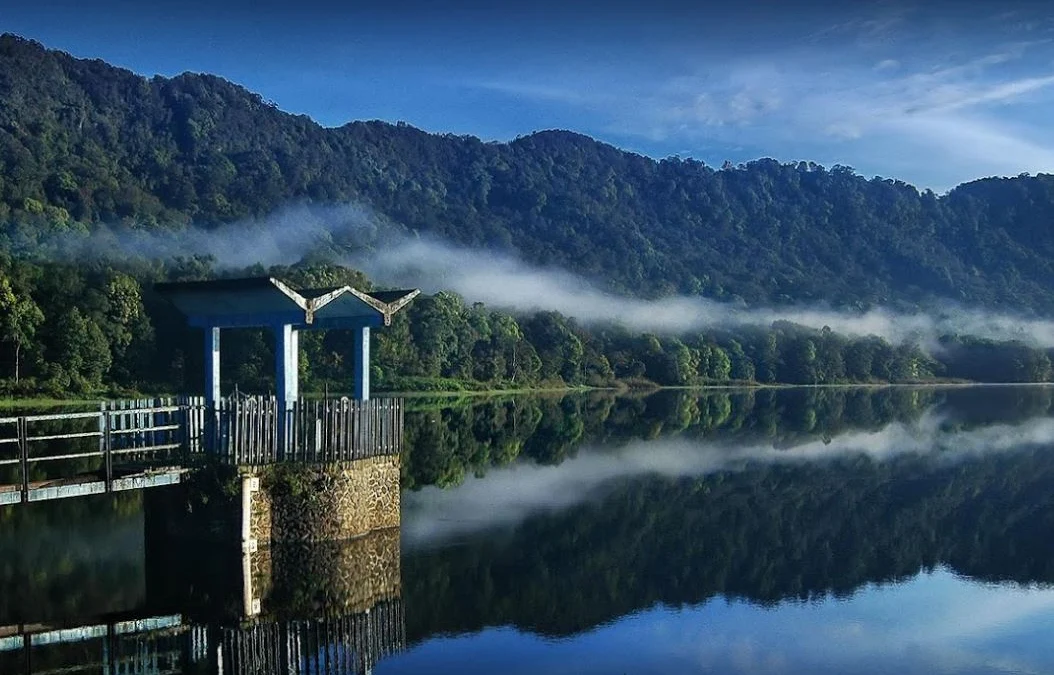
[(140, 433), (145, 435)]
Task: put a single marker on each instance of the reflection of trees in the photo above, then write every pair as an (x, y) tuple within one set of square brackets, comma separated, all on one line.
[(71, 557), (445, 444), (767, 534)]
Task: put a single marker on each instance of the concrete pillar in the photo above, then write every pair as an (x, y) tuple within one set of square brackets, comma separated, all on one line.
[(286, 354), (212, 367), (360, 387)]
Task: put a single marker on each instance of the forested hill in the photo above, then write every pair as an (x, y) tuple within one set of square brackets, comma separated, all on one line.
[(82, 142)]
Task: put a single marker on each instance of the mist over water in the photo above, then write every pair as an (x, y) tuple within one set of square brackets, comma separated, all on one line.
[(509, 495), (394, 256)]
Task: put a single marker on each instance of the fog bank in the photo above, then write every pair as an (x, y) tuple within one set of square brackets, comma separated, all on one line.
[(394, 256)]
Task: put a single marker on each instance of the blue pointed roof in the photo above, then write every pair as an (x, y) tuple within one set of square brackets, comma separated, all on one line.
[(266, 301)]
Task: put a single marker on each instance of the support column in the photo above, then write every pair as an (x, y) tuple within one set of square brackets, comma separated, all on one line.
[(211, 418), (212, 367), (286, 355), (286, 362), (360, 387)]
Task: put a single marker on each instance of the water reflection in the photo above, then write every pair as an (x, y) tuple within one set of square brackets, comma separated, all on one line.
[(934, 622), (333, 607), (447, 444), (796, 530), (510, 494)]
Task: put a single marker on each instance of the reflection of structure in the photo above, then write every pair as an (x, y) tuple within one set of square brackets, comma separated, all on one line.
[(307, 579), (332, 607), (147, 645), (341, 643), (349, 643)]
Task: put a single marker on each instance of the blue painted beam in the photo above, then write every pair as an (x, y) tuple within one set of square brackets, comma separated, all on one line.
[(261, 320), (295, 319), (342, 323)]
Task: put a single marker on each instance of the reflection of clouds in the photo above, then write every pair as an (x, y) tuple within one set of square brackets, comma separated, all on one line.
[(509, 495), (933, 623)]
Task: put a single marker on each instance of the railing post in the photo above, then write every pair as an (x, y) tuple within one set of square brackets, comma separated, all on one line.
[(23, 451), (107, 450), (182, 418)]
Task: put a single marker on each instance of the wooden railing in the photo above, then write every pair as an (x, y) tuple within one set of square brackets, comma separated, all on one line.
[(258, 430)]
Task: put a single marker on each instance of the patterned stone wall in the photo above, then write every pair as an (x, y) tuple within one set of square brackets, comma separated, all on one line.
[(328, 502), (260, 520), (292, 503)]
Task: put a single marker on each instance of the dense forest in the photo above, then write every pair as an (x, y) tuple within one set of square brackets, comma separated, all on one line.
[(84, 146)]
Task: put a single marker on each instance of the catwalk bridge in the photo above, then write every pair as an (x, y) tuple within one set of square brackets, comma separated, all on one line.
[(126, 445), (129, 445)]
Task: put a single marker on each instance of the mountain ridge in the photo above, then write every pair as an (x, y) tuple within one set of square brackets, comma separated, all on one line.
[(83, 142)]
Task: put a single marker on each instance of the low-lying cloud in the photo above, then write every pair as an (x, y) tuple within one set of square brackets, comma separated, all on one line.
[(394, 256), (501, 280), (281, 238)]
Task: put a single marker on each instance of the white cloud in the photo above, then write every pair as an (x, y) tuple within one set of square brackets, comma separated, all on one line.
[(503, 281), (867, 92), (506, 282)]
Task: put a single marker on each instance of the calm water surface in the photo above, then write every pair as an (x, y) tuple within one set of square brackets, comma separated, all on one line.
[(818, 530)]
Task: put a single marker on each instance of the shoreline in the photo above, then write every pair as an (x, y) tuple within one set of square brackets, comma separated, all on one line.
[(45, 402)]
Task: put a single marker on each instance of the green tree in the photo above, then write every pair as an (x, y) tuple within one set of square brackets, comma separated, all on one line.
[(83, 352), (19, 319)]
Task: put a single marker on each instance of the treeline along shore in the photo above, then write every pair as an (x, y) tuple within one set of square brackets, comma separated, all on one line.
[(83, 328)]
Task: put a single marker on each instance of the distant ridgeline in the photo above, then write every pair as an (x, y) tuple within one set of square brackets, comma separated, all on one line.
[(84, 144)]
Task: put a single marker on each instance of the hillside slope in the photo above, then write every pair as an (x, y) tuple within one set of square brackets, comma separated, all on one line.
[(82, 142)]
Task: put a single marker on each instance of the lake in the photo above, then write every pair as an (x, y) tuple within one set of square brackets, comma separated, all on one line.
[(867, 530)]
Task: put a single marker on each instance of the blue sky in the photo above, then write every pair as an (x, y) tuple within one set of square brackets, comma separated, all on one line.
[(933, 93)]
